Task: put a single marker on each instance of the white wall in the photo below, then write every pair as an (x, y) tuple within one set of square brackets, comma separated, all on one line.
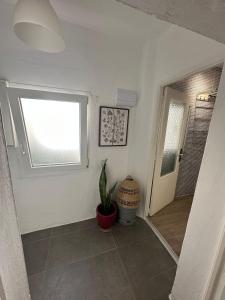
[(13, 278), (103, 64), (95, 62), (180, 52), (141, 139), (207, 219), (103, 54)]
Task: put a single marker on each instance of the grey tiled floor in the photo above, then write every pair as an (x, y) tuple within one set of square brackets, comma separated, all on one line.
[(79, 262)]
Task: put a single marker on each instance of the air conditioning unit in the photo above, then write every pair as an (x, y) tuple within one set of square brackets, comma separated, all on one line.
[(126, 98)]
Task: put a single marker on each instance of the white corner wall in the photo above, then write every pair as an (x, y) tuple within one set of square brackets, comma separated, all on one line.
[(141, 139), (13, 276), (93, 62), (178, 53), (207, 219)]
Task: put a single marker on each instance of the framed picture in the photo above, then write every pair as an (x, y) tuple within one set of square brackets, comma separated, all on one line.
[(113, 126)]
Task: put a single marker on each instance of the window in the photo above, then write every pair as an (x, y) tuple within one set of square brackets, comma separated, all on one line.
[(51, 129), (172, 138)]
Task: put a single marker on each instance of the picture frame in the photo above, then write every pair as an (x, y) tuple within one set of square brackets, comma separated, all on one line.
[(113, 126)]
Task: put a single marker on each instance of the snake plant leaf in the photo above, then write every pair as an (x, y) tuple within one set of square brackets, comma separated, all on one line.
[(102, 184), (105, 197), (111, 191)]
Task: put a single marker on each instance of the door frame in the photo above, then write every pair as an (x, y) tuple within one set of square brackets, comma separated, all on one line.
[(161, 101), (161, 135), (220, 253)]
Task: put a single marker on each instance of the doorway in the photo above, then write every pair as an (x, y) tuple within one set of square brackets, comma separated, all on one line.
[(187, 110)]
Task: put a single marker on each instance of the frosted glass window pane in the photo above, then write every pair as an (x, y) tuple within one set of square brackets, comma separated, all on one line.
[(172, 138), (52, 129)]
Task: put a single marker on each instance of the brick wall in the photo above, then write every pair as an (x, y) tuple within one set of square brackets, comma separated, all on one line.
[(198, 124)]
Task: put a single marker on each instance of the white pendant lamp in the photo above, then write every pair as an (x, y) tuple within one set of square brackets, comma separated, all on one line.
[(36, 24)]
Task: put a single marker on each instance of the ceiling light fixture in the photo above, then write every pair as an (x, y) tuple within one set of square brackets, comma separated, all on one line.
[(36, 24)]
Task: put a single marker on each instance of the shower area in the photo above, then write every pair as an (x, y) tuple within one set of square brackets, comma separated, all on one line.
[(201, 90)]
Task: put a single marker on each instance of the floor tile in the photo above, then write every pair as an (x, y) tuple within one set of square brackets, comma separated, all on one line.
[(125, 235), (35, 256), (35, 284), (145, 260), (98, 278), (64, 229), (79, 262), (158, 288), (124, 294), (36, 236), (78, 245)]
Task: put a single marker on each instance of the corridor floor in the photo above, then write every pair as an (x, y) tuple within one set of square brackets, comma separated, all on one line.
[(79, 262), (172, 220)]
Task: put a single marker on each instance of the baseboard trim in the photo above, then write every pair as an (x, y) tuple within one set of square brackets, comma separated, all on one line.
[(163, 241)]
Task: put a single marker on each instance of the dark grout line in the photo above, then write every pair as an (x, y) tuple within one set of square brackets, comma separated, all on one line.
[(70, 232), (156, 275), (79, 260), (69, 224), (51, 230), (52, 235), (135, 242), (114, 239), (47, 256), (161, 272), (128, 278), (42, 281), (30, 242), (30, 275)]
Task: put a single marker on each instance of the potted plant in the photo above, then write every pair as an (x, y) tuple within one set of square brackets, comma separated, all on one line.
[(106, 211)]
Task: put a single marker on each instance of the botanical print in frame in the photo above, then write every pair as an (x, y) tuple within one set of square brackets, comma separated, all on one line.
[(113, 126)]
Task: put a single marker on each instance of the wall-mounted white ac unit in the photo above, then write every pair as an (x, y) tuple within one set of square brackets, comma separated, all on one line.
[(127, 98)]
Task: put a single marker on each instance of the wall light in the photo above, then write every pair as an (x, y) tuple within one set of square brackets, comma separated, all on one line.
[(36, 24), (206, 96), (203, 96)]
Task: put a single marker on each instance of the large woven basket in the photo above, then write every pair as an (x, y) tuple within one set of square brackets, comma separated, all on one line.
[(128, 198)]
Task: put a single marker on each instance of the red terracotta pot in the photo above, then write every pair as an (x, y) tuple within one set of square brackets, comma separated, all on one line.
[(106, 221)]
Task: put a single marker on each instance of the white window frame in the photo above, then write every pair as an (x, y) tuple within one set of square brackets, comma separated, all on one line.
[(15, 94)]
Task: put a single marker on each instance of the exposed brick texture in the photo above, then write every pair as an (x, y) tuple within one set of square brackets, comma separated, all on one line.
[(197, 129)]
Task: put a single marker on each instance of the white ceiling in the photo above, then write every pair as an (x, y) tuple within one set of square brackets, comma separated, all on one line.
[(109, 17), (206, 17), (94, 31), (106, 25)]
